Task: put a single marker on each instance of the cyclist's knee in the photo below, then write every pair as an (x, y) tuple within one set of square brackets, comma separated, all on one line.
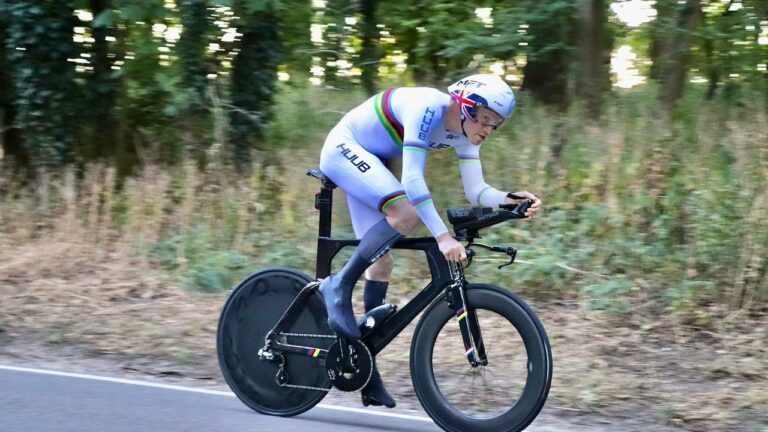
[(403, 217), (381, 269)]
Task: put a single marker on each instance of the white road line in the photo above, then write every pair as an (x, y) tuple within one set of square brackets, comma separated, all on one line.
[(117, 380), (197, 390), (378, 413)]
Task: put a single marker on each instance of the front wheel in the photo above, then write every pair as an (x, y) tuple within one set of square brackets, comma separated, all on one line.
[(505, 395)]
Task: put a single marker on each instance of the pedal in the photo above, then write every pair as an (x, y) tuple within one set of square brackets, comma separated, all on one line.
[(374, 317)]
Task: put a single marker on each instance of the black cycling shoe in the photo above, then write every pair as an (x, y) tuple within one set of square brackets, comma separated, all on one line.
[(374, 392), (338, 303)]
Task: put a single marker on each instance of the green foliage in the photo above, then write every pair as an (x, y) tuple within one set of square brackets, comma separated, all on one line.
[(687, 295), (672, 206), (552, 28), (137, 87), (727, 48), (254, 75), (39, 42), (370, 54), (430, 59), (141, 10), (609, 296), (305, 115), (196, 22), (217, 272), (104, 19), (501, 41), (6, 82), (295, 38), (203, 267)]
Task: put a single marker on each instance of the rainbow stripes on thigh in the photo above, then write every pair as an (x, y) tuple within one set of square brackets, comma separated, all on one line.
[(390, 199)]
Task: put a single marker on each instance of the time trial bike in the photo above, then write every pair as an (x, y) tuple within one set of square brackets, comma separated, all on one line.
[(480, 359)]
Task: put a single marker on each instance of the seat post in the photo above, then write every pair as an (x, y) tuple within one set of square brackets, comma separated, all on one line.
[(324, 203)]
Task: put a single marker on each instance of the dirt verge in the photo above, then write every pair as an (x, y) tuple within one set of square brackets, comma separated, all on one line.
[(73, 306)]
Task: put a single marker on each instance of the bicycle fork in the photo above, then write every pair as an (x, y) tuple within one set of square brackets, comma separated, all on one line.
[(474, 349)]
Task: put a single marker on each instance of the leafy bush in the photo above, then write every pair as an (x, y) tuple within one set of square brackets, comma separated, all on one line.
[(202, 267), (609, 295), (214, 272)]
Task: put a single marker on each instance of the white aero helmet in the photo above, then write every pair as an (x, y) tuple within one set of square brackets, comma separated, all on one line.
[(483, 89)]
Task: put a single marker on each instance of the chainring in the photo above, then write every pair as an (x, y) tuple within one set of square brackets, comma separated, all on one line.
[(362, 362)]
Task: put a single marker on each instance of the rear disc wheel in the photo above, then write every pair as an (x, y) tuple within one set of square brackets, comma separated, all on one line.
[(252, 310)]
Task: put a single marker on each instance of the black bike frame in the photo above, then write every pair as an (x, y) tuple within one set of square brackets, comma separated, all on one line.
[(442, 279)]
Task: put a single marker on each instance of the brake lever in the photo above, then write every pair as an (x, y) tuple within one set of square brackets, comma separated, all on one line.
[(509, 250), (518, 209), (512, 254), (470, 255)]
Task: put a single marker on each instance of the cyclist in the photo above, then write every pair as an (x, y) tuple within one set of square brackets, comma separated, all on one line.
[(407, 123)]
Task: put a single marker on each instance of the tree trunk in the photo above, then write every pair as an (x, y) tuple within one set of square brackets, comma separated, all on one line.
[(10, 141), (193, 44), (661, 28), (545, 73), (370, 54), (254, 73), (335, 12), (594, 56), (195, 119), (712, 69), (46, 97), (713, 47), (545, 78), (102, 90), (675, 60), (14, 154)]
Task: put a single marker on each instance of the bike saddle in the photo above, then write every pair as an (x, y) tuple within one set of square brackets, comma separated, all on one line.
[(316, 173)]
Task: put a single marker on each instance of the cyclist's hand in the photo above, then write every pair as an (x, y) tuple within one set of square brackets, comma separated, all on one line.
[(451, 249), (533, 209)]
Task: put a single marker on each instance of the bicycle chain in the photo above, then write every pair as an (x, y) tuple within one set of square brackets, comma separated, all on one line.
[(298, 386), (309, 335)]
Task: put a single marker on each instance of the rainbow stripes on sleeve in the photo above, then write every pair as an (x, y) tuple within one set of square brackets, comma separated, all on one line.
[(464, 160), (422, 201), (416, 147), (383, 105)]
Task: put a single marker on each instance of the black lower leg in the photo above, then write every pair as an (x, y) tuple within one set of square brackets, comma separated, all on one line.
[(373, 245), (374, 293), (337, 290)]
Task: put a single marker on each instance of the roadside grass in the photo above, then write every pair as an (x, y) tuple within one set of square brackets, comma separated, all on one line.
[(649, 264)]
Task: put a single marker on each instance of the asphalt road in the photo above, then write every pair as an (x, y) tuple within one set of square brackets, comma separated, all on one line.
[(32, 401), (37, 400)]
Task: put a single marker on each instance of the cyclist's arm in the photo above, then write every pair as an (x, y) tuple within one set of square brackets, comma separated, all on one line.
[(477, 191), (417, 127)]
